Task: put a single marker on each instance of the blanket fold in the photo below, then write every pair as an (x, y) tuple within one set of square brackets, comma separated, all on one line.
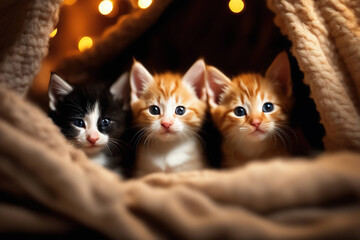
[(49, 187), (326, 35), (21, 61), (244, 203)]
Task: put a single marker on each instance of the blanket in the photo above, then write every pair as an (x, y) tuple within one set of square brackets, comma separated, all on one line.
[(326, 39), (48, 187)]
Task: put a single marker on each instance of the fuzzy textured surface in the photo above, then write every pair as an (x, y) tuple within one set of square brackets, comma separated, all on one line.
[(25, 28), (48, 187), (326, 43)]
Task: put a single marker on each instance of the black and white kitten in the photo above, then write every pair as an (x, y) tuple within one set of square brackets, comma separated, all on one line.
[(93, 118)]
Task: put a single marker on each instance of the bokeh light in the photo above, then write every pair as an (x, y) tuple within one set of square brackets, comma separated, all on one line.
[(144, 3), (85, 43), (53, 33), (105, 7), (69, 2), (236, 6)]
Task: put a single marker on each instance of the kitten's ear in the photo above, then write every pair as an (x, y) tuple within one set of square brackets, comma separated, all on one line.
[(140, 78), (195, 77), (120, 90), (58, 88), (216, 84), (279, 71)]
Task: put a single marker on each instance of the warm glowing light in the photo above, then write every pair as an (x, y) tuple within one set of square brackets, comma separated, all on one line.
[(85, 43), (69, 2), (53, 33), (105, 7), (144, 3), (236, 6)]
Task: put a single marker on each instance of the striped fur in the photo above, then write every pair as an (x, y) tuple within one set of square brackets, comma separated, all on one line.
[(176, 147), (258, 134)]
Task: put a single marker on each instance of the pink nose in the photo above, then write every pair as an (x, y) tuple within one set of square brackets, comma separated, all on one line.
[(92, 137), (92, 140), (256, 123), (166, 125)]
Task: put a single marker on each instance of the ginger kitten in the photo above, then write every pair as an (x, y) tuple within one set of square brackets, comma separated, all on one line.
[(169, 110), (251, 111)]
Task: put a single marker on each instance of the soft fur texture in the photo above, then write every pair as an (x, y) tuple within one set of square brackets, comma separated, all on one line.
[(47, 186), (169, 110), (278, 199), (93, 118), (252, 112)]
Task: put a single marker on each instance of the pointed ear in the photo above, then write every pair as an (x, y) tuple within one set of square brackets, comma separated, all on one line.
[(195, 77), (120, 90), (58, 88), (279, 71), (140, 78), (216, 84)]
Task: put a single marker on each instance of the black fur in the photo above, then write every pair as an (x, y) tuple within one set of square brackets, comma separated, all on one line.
[(77, 104)]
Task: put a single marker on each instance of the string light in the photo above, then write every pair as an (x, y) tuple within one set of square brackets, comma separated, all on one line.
[(69, 2), (236, 6), (53, 33), (143, 4), (85, 43), (105, 7)]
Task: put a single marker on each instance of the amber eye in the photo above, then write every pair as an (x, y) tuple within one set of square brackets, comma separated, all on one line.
[(240, 111), (268, 107), (180, 110), (154, 110)]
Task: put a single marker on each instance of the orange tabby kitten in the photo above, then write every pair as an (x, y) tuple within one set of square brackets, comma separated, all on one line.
[(169, 110), (251, 111)]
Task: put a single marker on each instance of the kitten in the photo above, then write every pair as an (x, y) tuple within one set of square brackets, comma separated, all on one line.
[(251, 111), (169, 111), (93, 118)]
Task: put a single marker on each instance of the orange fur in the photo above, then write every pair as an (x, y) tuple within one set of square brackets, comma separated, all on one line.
[(168, 91), (164, 87), (257, 134)]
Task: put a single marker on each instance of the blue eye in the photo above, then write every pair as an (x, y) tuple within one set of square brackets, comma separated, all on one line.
[(239, 111), (105, 122), (78, 123), (154, 110), (180, 110), (268, 107)]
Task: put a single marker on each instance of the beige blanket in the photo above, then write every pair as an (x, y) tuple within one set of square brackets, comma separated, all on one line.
[(49, 187)]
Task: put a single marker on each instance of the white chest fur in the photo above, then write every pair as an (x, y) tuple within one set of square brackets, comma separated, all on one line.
[(99, 158), (169, 157), (108, 162)]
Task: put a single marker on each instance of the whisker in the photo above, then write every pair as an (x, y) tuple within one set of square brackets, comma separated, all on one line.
[(138, 136), (148, 139), (115, 144), (280, 135), (284, 137), (194, 136)]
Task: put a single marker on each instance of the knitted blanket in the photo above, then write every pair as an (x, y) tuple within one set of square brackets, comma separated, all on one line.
[(48, 187)]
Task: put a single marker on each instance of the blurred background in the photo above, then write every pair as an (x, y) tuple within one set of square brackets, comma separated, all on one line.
[(235, 36)]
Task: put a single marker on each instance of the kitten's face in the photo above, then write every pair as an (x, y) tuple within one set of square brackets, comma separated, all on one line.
[(167, 107), (89, 117), (251, 107)]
